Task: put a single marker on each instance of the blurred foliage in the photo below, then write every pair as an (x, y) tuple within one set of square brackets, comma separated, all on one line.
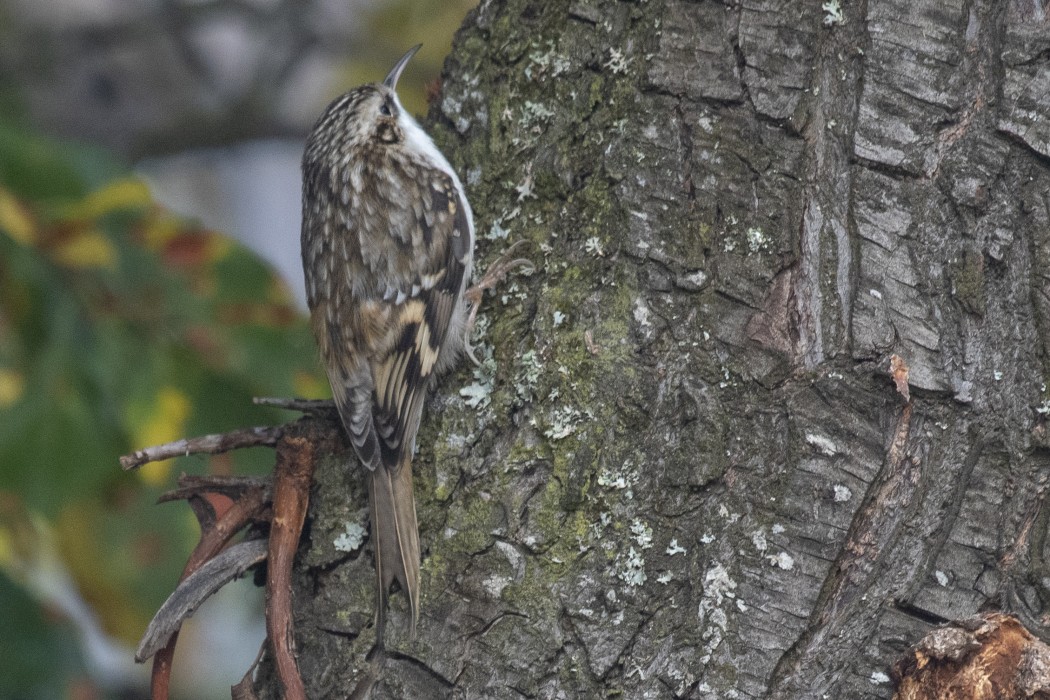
[(395, 27), (121, 326)]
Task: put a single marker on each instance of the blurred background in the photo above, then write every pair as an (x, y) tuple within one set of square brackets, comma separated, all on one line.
[(150, 285)]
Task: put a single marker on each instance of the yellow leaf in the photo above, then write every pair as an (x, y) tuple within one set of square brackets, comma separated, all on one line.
[(15, 220), (165, 422), (87, 248), (160, 229), (7, 550), (12, 385), (127, 193), (219, 246)]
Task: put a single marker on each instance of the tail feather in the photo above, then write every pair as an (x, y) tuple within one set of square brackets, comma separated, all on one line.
[(395, 537)]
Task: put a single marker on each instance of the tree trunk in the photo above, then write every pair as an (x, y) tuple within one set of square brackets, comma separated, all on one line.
[(686, 470)]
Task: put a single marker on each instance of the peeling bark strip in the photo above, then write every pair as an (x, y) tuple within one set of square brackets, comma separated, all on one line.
[(681, 470), (291, 494), (194, 590), (216, 533)]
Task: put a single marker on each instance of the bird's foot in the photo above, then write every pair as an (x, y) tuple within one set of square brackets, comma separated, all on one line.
[(495, 274)]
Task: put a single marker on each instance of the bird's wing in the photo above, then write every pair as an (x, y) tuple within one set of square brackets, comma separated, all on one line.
[(384, 276), (431, 285)]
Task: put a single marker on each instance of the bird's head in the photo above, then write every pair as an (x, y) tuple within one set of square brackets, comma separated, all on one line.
[(366, 116)]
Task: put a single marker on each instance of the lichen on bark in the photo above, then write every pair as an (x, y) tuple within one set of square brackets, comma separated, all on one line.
[(685, 471)]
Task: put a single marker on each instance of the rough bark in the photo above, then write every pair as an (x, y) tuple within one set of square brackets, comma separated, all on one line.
[(688, 472)]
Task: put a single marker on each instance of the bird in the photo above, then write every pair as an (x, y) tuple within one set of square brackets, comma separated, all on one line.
[(387, 247)]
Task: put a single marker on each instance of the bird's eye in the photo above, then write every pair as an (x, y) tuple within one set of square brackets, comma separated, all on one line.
[(384, 109)]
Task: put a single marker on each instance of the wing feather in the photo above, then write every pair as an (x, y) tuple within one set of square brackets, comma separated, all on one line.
[(387, 309), (424, 321)]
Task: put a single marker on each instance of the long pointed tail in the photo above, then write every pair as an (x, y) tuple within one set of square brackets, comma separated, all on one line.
[(395, 537)]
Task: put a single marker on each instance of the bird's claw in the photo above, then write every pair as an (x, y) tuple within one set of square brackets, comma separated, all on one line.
[(496, 273)]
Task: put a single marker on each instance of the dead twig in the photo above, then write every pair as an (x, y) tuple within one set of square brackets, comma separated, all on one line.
[(233, 487), (308, 406), (266, 436)]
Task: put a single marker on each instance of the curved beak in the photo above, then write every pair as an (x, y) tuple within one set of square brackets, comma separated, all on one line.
[(391, 78)]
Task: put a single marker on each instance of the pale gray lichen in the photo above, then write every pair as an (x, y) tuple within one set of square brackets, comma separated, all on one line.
[(546, 62), (724, 512), (757, 241), (727, 379), (618, 61), (630, 568), (496, 232), (758, 539), (478, 393), (527, 375), (622, 478), (832, 13), (642, 534), (534, 112), (641, 313), (593, 245), (351, 539), (719, 588), (562, 422), (495, 584), (527, 187)]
